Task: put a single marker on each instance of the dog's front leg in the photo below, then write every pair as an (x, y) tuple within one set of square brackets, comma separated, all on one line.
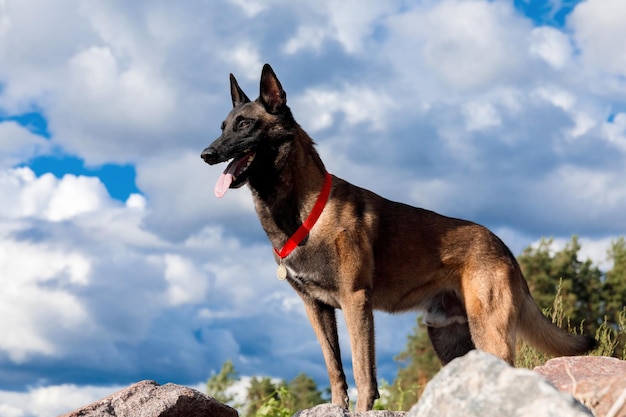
[(357, 310), (324, 322)]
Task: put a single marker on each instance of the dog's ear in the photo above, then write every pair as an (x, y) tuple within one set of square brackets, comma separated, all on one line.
[(237, 94), (272, 96)]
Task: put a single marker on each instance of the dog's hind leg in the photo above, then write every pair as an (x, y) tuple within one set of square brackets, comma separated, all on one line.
[(448, 328), (324, 322), (491, 310), (451, 341)]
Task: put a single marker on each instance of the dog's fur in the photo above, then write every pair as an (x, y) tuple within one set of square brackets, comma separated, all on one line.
[(366, 252)]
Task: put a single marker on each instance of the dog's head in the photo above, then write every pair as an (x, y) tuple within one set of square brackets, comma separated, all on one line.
[(252, 132)]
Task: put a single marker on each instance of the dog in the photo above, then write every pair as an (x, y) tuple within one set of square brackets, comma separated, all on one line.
[(344, 247)]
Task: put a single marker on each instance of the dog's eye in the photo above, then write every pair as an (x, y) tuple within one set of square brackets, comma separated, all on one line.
[(243, 123)]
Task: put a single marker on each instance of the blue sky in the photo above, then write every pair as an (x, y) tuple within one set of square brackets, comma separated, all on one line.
[(117, 262)]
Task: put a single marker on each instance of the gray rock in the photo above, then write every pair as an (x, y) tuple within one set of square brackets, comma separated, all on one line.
[(332, 410), (479, 384), (149, 399)]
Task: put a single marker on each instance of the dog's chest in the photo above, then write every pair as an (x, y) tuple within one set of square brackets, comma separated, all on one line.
[(317, 283)]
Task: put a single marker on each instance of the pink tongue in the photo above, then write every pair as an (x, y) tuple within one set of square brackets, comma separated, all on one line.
[(222, 184), (235, 167)]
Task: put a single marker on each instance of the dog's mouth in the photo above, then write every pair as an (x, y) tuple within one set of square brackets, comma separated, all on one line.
[(234, 176)]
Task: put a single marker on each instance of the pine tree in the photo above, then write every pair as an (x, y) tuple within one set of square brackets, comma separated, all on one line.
[(582, 282), (304, 391), (218, 384), (259, 392), (268, 398), (615, 290), (615, 285), (420, 365), (536, 264)]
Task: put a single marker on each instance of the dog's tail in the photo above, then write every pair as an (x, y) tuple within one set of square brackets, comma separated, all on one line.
[(540, 332)]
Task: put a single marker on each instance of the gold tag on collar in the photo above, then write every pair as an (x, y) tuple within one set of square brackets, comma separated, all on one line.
[(281, 272)]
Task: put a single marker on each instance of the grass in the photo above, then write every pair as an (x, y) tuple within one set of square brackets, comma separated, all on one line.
[(608, 337), (611, 339)]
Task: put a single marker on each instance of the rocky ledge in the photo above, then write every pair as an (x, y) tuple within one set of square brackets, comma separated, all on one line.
[(477, 384)]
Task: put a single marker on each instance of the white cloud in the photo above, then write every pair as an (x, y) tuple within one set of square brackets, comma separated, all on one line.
[(46, 273), (34, 48), (4, 19), (109, 76), (134, 92), (49, 198), (81, 291), (583, 122), (615, 131), (583, 117), (337, 21), (17, 144), (74, 196), (37, 296), (136, 201), (593, 249), (463, 45), (557, 96), (251, 7), (552, 46), (480, 115), (318, 108), (352, 28), (52, 400), (111, 102), (186, 283), (182, 183), (245, 60), (572, 192), (597, 25)]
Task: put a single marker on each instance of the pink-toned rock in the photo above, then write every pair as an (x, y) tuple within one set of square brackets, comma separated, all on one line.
[(596, 381), (149, 399)]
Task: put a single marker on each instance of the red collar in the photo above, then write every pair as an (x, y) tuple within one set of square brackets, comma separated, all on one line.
[(309, 222)]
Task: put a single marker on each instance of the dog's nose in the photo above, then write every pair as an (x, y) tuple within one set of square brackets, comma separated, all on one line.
[(209, 155)]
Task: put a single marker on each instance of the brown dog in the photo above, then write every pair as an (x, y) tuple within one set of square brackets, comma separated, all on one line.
[(365, 252)]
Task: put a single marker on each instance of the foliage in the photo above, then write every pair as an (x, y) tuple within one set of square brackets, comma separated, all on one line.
[(581, 283), (277, 405), (608, 337), (420, 364), (266, 397), (304, 392), (615, 288), (590, 298), (218, 384), (260, 391)]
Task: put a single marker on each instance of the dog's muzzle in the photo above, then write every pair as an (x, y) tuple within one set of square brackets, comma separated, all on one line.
[(210, 156)]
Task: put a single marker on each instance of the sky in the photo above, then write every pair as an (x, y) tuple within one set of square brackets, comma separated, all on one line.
[(117, 262)]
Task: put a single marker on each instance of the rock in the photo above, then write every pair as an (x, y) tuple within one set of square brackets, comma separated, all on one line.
[(597, 382), (332, 410), (149, 399), (479, 384)]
